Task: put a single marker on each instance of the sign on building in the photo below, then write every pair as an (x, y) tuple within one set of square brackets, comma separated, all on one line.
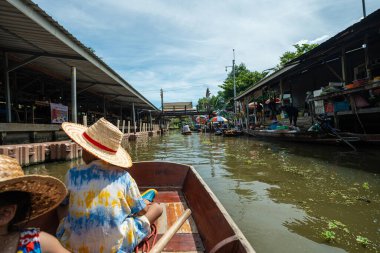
[(59, 113)]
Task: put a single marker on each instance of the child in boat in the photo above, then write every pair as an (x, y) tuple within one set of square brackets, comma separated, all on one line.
[(106, 212), (23, 198)]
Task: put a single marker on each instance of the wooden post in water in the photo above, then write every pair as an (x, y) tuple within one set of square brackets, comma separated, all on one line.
[(122, 129), (118, 124), (134, 118), (85, 120)]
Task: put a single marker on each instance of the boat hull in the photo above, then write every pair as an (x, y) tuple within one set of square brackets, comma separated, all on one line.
[(312, 137)]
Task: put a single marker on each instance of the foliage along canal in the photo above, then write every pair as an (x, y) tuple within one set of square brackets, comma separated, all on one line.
[(284, 197)]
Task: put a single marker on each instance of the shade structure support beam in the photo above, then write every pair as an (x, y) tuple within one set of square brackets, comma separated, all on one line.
[(150, 118), (104, 106), (7, 88), (117, 94), (134, 118), (74, 95), (334, 72), (343, 64), (247, 112), (21, 64), (84, 89), (42, 54), (95, 82)]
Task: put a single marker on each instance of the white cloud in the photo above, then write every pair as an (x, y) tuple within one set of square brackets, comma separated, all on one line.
[(177, 44)]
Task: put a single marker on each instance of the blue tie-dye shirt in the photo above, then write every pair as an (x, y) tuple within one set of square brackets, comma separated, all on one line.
[(102, 204)]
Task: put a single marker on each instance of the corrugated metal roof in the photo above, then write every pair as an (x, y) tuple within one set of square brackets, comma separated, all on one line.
[(272, 77), (356, 31), (25, 30)]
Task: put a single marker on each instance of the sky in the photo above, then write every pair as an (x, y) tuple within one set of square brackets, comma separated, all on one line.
[(184, 46)]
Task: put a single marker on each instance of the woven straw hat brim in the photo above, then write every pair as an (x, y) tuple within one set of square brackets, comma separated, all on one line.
[(46, 192), (75, 131)]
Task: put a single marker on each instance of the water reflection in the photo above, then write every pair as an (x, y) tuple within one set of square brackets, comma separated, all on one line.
[(281, 195)]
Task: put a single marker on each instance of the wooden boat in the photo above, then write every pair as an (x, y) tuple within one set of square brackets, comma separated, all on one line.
[(209, 228), (232, 132), (218, 132), (187, 133), (314, 137)]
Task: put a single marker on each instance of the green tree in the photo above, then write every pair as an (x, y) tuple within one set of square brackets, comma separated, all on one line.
[(244, 78), (212, 103), (202, 104), (300, 50)]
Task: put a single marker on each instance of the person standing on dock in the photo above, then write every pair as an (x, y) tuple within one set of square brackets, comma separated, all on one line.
[(292, 113), (106, 212)]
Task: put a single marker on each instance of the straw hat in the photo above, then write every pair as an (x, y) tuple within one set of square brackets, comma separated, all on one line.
[(102, 139), (46, 192)]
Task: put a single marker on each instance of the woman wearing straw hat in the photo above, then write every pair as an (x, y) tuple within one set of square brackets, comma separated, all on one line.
[(106, 212), (23, 198)]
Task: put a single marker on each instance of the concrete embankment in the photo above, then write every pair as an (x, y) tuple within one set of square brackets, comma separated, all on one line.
[(33, 153)]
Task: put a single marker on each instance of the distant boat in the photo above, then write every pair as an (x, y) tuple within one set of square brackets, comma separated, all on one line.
[(232, 132), (186, 130), (218, 132)]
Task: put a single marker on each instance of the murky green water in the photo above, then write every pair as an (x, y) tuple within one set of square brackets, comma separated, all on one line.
[(283, 196)]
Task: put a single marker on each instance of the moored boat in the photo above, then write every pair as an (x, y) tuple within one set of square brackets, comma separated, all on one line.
[(209, 228), (232, 132), (218, 132), (187, 133), (315, 137)]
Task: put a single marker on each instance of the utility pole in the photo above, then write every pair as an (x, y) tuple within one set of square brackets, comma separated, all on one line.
[(364, 12), (233, 69), (162, 109), (234, 78), (134, 118)]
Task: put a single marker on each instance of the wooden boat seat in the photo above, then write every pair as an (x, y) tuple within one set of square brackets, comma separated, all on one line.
[(187, 238)]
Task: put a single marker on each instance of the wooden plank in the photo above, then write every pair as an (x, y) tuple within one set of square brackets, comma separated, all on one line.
[(188, 243), (184, 243), (173, 212), (162, 223), (173, 198), (185, 251), (167, 197), (165, 238), (190, 220)]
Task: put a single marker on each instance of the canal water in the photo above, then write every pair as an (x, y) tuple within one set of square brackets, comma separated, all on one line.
[(284, 197)]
